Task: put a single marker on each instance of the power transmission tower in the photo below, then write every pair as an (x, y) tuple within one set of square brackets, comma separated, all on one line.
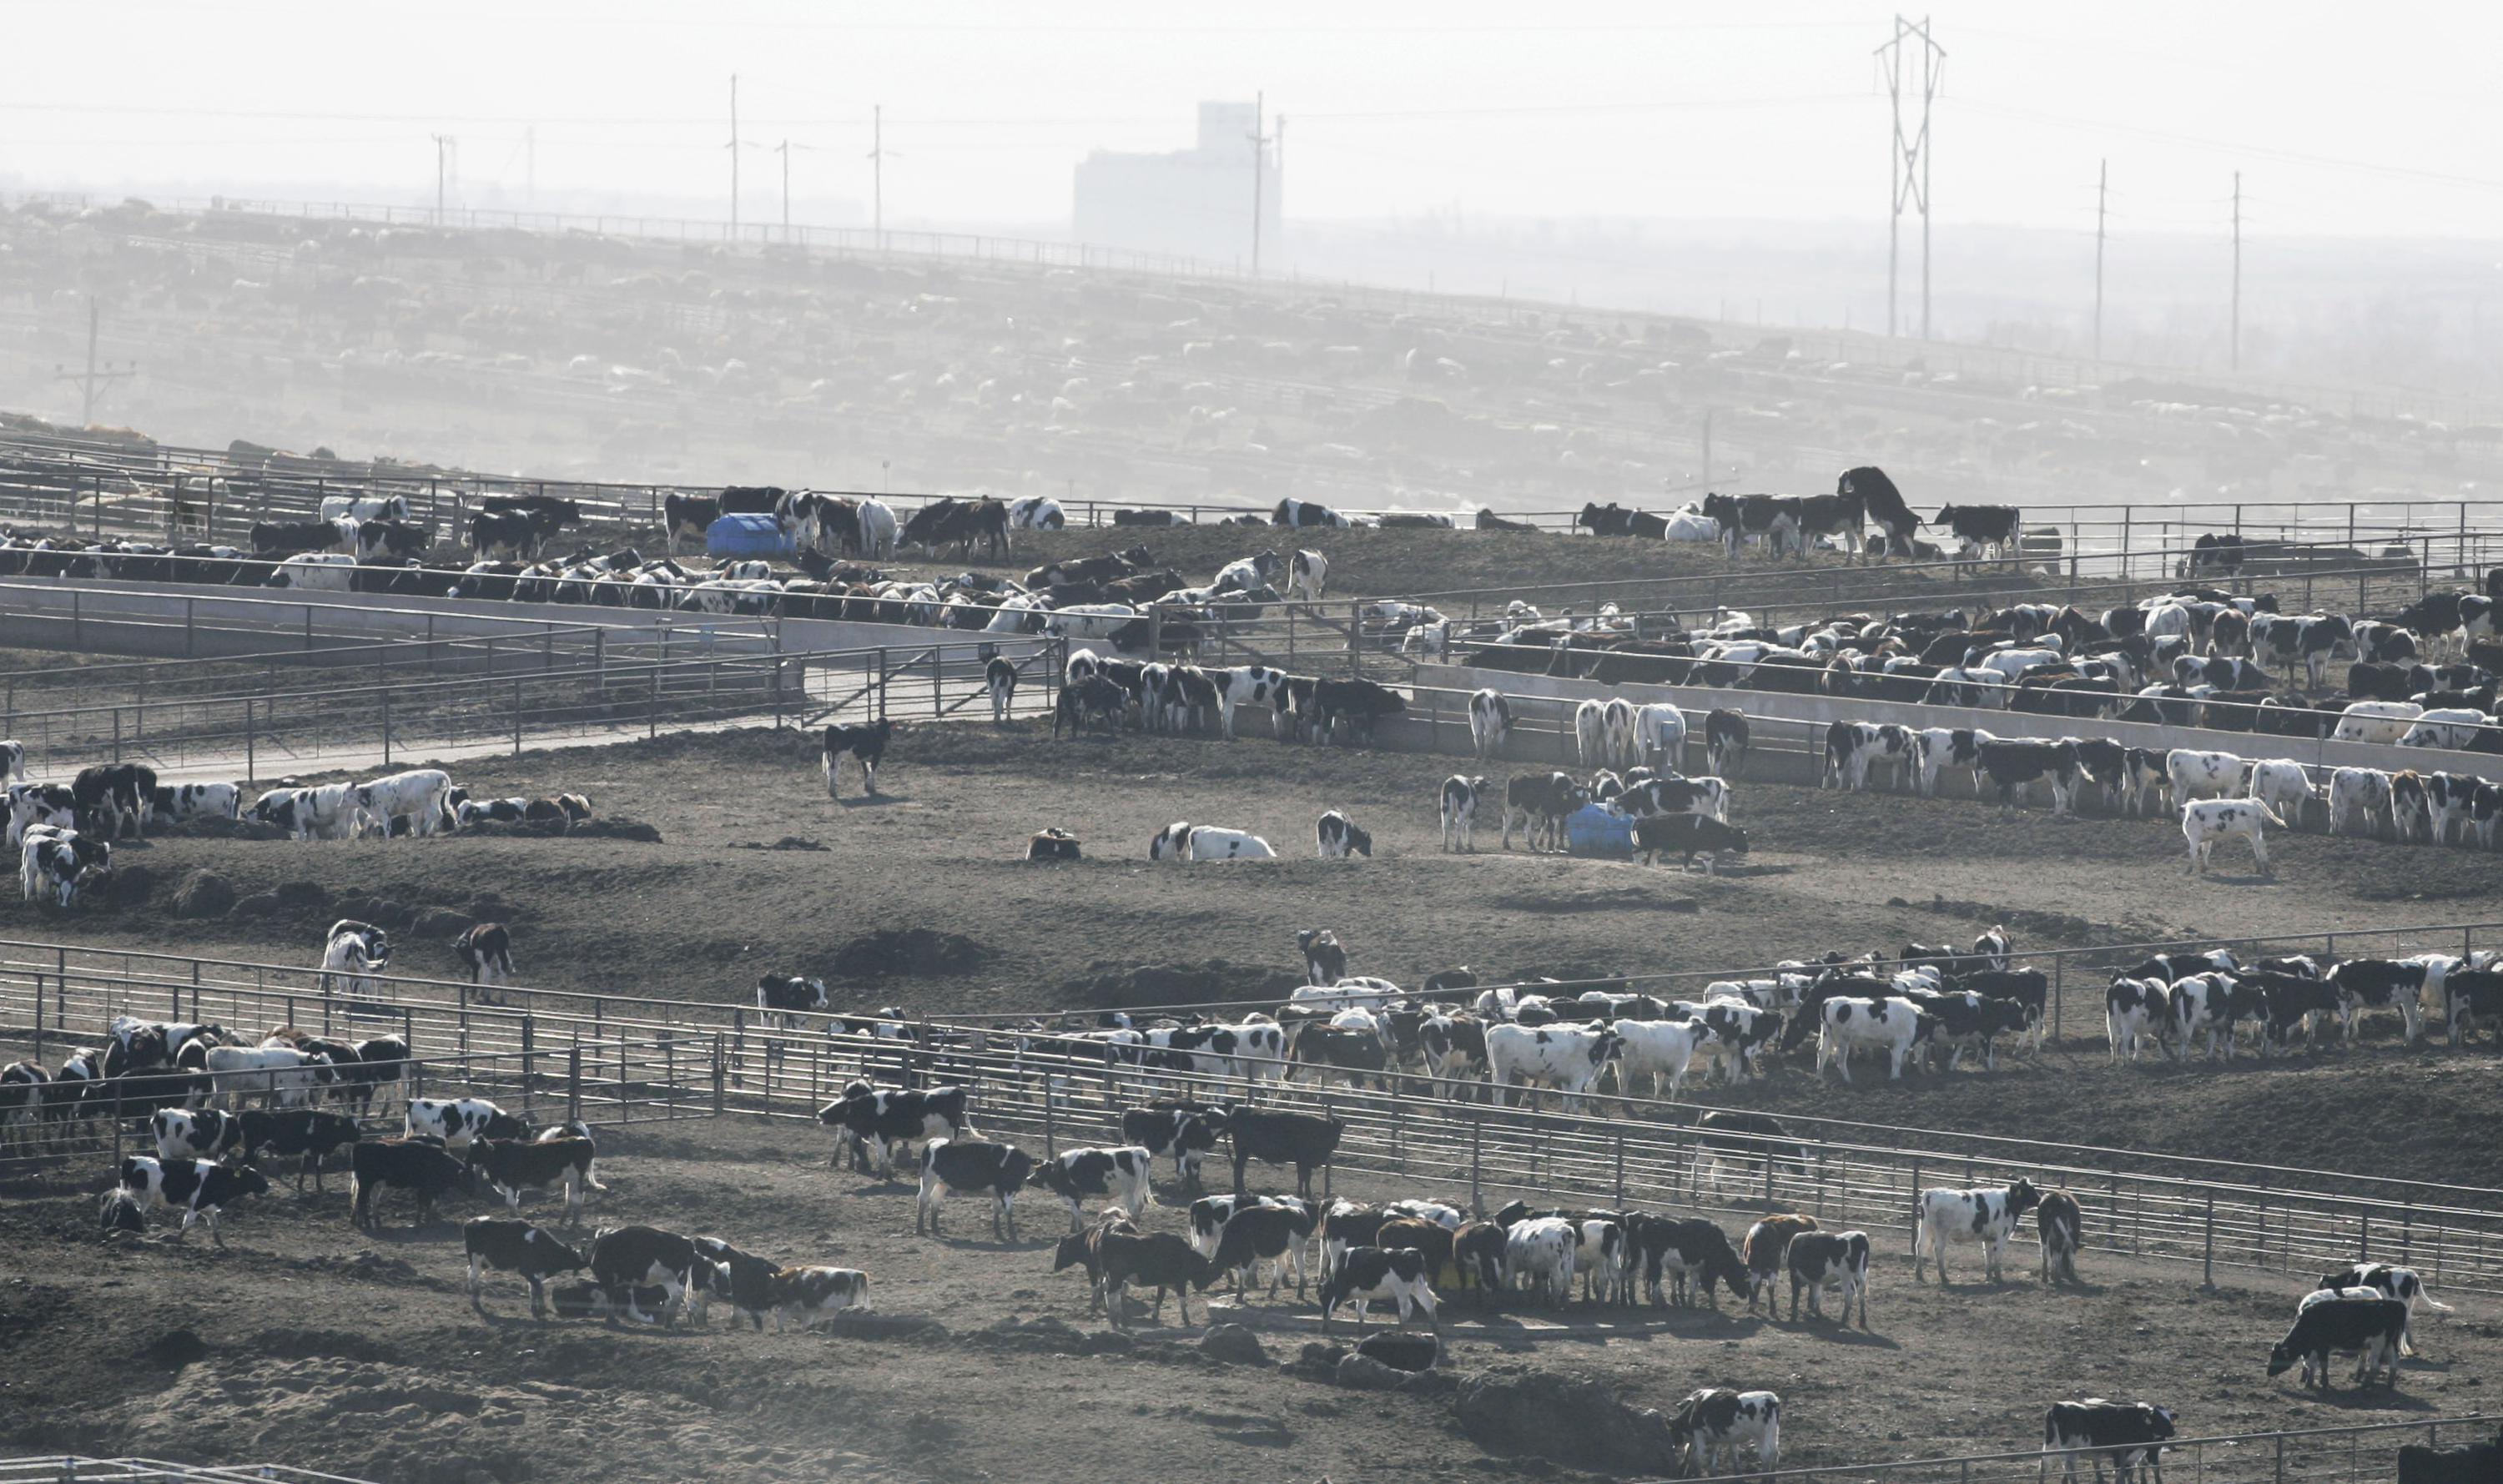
[(442, 143), (878, 171), (734, 155), (1259, 163), (2235, 350), (785, 148), (94, 380), (1909, 158), (2102, 184)]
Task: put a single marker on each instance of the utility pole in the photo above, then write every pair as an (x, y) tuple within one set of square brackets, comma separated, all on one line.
[(1908, 157), (878, 171), (786, 188), (1259, 163), (531, 165), (2103, 183), (2236, 349), (94, 380), (734, 155), (440, 142)]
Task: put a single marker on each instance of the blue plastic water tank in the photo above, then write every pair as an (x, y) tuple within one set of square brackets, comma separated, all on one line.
[(1599, 829), (748, 536)]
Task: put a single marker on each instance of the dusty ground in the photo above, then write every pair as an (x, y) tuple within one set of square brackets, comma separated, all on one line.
[(313, 1343)]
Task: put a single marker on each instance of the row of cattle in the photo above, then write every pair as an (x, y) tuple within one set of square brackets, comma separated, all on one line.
[(1097, 692), (1862, 498)]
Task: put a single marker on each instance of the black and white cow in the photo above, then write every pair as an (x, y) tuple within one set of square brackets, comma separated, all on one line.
[(2060, 1225), (2131, 1433), (1982, 528), (1707, 1428), (1188, 1131), (1119, 1174), (512, 1165), (517, 1247), (1823, 1259), (111, 796), (1325, 957), (2391, 1282), (1490, 722), (1304, 1140), (785, 999), (354, 953), (1687, 835), (417, 1165), (626, 1257), (1882, 505), (1725, 741), (975, 1167), (1461, 798), (2009, 764), (1339, 837), (486, 950), (1853, 748), (457, 1120), (865, 743), (1299, 512), (2373, 1329), (886, 1117), (1538, 803), (1985, 1215), (199, 1188), (172, 803), (1364, 1274)]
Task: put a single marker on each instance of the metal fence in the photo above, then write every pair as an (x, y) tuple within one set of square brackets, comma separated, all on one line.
[(628, 1058), (58, 1469)]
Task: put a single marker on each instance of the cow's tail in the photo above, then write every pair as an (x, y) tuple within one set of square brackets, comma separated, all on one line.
[(2271, 815), (2433, 1303)]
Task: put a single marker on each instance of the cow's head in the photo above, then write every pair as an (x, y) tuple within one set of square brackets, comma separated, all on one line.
[(2022, 1197), (249, 1181)]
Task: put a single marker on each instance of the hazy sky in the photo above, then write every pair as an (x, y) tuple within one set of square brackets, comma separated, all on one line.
[(2344, 121)]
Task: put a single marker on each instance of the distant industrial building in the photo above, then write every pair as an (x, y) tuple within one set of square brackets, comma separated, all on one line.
[(1195, 202)]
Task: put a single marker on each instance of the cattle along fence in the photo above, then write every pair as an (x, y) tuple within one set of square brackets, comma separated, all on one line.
[(614, 1059), (162, 493)]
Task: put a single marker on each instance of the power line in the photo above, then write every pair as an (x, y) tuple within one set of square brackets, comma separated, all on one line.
[(1909, 158)]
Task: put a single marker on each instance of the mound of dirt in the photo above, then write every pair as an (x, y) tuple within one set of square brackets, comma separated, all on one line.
[(209, 828), (633, 830), (1115, 986), (1578, 1423), (912, 951), (302, 897), (204, 893)]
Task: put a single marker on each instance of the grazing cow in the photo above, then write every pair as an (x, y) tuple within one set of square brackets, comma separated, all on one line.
[(307, 1136), (417, 1165), (2370, 1328), (1539, 804), (1490, 722), (1892, 1025), (1051, 844), (205, 1135), (1852, 748), (513, 1166), (1459, 808), (56, 863), (199, 1188), (1339, 837), (1566, 1057), (172, 803), (2407, 984), (1000, 680), (812, 1295), (2011, 763), (886, 1117), (1254, 1234), (2060, 1225), (2205, 823), (1087, 1249), (355, 954), (1662, 1050), (631, 1257), (1985, 1215), (1725, 741), (2135, 1009), (1302, 1140), (1188, 1131), (1688, 835), (865, 742), (109, 796), (2131, 1434), (381, 1062), (2282, 641), (286, 1076), (1823, 1259), (1121, 1174), (1693, 1252), (1707, 1428), (1163, 1261), (486, 950), (1767, 1249), (2358, 793), (1306, 574), (973, 1167), (2193, 775), (455, 1122), (1364, 1274), (495, 1244), (1981, 528)]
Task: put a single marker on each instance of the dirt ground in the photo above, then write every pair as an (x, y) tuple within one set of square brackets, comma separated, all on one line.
[(311, 1342)]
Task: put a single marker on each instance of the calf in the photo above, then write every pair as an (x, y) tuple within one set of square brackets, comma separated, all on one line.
[(1339, 837), (2010, 764), (1709, 1425), (865, 743), (1693, 1252), (2372, 1329), (1163, 1261), (1725, 741), (1490, 722), (1986, 1215), (198, 1187), (812, 1294), (516, 1247), (1821, 1260), (1539, 804), (1087, 1249), (999, 681), (355, 954), (1688, 835), (512, 1165), (627, 1256), (1188, 1131), (2131, 1433), (1301, 1139), (486, 950), (2391, 1282), (417, 1165), (1767, 1249), (2210, 821), (1259, 1233), (783, 999), (307, 1136), (457, 1120), (887, 1116), (1568, 1059), (1368, 1274), (741, 1279), (1120, 1174), (2062, 1227), (973, 1167), (1459, 807)]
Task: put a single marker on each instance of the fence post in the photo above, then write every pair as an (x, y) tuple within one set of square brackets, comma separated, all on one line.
[(530, 1046), (1621, 1169), (249, 771), (517, 716), (1477, 1157), (2281, 1459), (2364, 1235), (2208, 1249), (387, 728), (2059, 963), (573, 1082), (720, 1075), (1915, 1201), (1051, 1127)]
